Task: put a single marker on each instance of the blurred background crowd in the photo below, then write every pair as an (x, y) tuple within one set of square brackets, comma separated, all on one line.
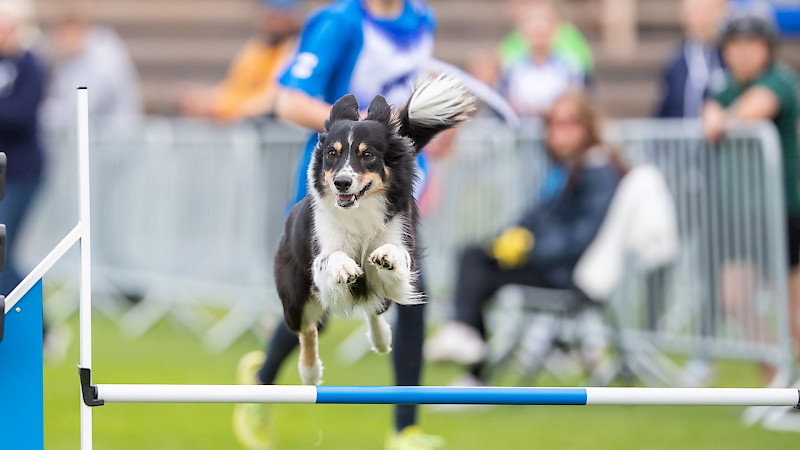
[(706, 202), (619, 47)]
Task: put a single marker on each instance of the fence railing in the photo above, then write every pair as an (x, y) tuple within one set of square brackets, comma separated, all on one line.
[(187, 216), (727, 294)]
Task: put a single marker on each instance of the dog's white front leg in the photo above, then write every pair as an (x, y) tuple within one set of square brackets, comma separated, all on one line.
[(379, 333), (393, 264), (333, 275)]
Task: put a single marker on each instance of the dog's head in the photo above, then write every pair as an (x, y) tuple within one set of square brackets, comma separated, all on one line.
[(355, 158)]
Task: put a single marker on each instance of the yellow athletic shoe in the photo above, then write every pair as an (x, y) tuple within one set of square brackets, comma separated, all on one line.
[(412, 438), (251, 421)]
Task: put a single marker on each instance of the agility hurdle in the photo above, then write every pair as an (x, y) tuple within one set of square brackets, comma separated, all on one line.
[(100, 394)]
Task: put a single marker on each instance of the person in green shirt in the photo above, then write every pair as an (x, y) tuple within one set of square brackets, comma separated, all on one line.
[(569, 44), (757, 87)]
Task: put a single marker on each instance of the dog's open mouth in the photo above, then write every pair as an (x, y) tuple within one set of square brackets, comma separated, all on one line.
[(348, 200)]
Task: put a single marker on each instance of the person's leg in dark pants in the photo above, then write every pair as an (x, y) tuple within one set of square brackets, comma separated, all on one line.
[(278, 348), (479, 277), (409, 334)]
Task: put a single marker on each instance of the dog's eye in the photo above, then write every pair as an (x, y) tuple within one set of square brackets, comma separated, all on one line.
[(367, 156), (332, 153)]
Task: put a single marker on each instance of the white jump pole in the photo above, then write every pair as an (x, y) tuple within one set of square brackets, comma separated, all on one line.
[(165, 393), (86, 259)]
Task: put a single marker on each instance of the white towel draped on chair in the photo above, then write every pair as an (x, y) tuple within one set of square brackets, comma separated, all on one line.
[(641, 221)]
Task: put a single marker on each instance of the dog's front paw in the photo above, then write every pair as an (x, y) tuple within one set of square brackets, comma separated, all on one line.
[(389, 257), (343, 269)]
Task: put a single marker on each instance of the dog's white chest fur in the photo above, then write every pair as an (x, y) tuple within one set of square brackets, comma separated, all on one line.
[(360, 242), (350, 230)]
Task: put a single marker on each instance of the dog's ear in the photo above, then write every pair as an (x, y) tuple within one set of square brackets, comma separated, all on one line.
[(379, 110), (346, 108)]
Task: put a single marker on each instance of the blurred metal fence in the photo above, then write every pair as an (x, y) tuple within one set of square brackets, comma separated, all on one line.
[(186, 218), (727, 294), (188, 214)]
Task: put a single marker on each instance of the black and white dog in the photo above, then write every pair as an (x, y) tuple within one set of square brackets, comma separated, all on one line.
[(349, 245)]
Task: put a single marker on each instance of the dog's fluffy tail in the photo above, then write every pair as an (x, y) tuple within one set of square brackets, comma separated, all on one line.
[(436, 104)]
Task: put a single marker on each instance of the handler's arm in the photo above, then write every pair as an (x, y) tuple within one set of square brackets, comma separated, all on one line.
[(298, 107)]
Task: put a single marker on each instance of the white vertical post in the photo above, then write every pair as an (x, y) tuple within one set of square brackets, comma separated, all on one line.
[(86, 258)]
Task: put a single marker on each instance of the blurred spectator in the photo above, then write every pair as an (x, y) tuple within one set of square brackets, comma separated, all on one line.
[(568, 42), (757, 87), (541, 59), (94, 56), (250, 87), (697, 61), (531, 84), (544, 247), (21, 90)]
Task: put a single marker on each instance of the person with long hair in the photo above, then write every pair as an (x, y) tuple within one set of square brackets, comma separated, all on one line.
[(544, 246)]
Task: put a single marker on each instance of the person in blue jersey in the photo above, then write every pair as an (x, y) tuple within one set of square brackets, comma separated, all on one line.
[(365, 48), (360, 47)]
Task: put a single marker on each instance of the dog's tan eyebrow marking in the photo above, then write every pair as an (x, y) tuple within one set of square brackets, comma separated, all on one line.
[(337, 146), (362, 147)]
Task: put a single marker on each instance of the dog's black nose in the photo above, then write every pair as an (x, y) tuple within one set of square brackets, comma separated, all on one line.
[(342, 183)]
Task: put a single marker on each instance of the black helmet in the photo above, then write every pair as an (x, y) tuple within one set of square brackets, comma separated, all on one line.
[(749, 24)]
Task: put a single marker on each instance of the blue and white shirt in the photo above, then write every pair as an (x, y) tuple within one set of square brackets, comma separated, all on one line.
[(343, 50)]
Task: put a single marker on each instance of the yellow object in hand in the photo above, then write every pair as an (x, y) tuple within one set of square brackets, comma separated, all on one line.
[(511, 248)]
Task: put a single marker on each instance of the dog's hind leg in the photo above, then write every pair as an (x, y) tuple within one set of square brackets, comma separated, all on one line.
[(310, 365), (393, 265), (379, 333)]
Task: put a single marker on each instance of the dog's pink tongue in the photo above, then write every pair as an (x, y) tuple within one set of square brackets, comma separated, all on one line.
[(347, 197)]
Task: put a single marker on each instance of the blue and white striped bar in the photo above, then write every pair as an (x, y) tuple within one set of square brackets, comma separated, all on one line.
[(174, 393)]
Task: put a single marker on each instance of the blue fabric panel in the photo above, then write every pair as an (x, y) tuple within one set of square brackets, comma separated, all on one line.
[(21, 397)]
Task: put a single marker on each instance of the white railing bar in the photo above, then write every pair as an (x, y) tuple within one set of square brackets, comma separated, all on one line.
[(45, 265)]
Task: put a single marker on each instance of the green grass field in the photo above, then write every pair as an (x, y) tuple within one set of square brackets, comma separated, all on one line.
[(168, 355)]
